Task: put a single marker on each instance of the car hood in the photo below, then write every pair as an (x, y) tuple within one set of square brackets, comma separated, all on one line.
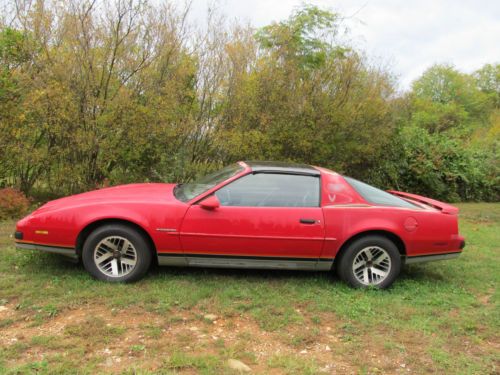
[(147, 193)]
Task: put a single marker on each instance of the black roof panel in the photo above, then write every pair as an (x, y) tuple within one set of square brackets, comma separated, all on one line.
[(283, 167)]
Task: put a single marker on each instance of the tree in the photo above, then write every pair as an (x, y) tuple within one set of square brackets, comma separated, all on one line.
[(308, 98), (488, 81), (106, 92), (446, 99), (307, 37)]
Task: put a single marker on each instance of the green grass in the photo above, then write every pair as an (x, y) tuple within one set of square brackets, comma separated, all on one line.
[(439, 317)]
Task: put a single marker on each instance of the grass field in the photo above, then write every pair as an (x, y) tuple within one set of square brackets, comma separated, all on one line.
[(441, 317)]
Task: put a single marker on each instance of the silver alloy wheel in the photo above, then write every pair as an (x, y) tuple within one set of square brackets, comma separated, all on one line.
[(115, 256), (371, 265)]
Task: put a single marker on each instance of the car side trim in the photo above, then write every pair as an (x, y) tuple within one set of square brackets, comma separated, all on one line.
[(66, 251), (244, 236), (431, 258), (239, 261)]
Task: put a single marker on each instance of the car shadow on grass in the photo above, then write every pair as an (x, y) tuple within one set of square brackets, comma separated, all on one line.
[(52, 264), (413, 273), (237, 273), (421, 272)]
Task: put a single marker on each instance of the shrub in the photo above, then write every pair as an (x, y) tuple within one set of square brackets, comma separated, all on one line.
[(13, 203), (439, 167)]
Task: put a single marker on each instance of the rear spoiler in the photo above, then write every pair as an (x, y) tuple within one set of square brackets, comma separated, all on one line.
[(445, 208)]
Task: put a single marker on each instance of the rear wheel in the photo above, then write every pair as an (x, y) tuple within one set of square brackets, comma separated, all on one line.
[(116, 253), (370, 261)]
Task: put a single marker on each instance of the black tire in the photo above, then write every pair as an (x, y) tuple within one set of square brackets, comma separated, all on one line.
[(138, 244), (345, 265)]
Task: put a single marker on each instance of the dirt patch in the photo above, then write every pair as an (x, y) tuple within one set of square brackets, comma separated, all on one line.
[(485, 299), (115, 340), (121, 339)]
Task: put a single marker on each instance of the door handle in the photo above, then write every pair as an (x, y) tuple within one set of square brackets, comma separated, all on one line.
[(307, 221)]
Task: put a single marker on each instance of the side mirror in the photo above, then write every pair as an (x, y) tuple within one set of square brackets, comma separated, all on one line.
[(210, 203)]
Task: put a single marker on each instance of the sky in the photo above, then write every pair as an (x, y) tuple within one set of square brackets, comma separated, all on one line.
[(406, 36)]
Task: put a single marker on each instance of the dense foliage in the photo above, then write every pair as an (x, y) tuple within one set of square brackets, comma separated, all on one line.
[(94, 93), (13, 203)]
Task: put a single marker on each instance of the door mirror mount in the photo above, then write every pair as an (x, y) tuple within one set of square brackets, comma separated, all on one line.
[(210, 203)]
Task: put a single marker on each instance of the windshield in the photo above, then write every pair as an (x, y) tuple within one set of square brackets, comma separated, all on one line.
[(373, 195), (186, 192)]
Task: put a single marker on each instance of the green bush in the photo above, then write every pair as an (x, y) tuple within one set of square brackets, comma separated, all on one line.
[(440, 167)]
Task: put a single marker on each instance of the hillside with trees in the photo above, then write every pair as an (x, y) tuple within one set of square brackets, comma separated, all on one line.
[(97, 93)]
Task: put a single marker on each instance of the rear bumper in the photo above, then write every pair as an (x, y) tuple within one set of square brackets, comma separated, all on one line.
[(432, 257), (453, 250), (65, 251)]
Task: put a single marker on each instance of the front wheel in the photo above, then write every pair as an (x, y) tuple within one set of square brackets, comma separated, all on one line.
[(370, 261), (116, 253)]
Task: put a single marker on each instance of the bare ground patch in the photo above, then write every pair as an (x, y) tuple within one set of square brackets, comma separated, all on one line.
[(120, 339), (116, 340)]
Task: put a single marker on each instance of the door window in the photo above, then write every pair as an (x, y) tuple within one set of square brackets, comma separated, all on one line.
[(271, 190)]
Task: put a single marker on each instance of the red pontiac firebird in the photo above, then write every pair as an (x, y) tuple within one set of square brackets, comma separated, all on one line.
[(248, 215)]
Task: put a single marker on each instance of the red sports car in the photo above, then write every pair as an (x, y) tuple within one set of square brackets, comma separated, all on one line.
[(248, 215)]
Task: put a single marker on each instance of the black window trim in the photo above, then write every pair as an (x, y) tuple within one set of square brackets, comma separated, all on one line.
[(299, 173)]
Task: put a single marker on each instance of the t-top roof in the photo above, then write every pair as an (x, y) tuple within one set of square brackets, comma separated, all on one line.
[(282, 167)]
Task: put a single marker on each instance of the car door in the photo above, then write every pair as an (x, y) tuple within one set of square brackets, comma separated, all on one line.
[(265, 220)]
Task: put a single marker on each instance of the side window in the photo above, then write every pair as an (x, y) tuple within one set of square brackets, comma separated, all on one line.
[(271, 190), (373, 195)]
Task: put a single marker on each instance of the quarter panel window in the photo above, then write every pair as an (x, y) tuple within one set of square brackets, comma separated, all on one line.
[(271, 190), (373, 195)]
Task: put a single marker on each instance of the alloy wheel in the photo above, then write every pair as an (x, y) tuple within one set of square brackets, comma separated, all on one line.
[(371, 265), (115, 256)]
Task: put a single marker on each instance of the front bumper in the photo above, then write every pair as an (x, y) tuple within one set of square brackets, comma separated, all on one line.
[(65, 251)]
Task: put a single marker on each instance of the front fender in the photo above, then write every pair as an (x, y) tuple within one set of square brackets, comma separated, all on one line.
[(61, 227)]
